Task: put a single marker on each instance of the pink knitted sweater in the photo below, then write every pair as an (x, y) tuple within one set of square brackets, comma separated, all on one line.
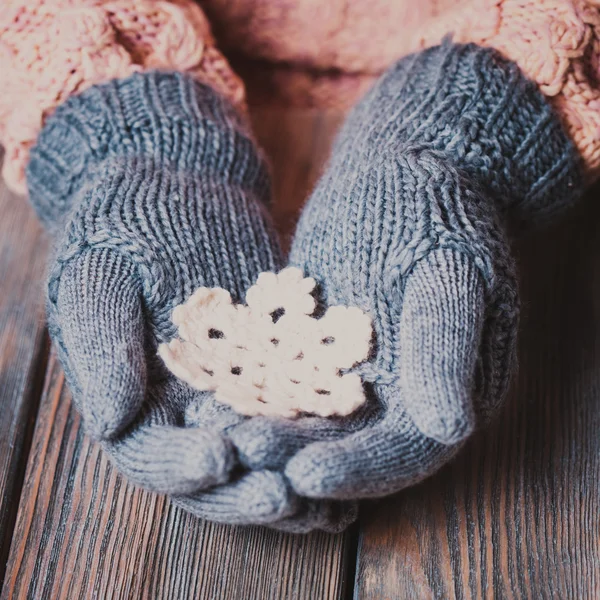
[(328, 53), (50, 49), (292, 51)]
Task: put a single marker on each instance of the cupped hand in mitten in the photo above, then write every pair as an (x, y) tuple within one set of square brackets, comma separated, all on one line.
[(153, 189), (409, 224)]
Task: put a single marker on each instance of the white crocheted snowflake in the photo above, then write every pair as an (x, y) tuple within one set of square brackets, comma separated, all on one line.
[(270, 356)]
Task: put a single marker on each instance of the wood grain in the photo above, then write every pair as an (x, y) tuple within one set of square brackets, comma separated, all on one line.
[(23, 349), (83, 532), (515, 516), (518, 513)]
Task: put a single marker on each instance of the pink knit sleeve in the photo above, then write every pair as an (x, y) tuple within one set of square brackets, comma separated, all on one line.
[(556, 43), (337, 48), (50, 49)]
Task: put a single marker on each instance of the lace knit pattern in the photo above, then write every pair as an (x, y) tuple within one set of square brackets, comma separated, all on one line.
[(271, 356), (51, 49)]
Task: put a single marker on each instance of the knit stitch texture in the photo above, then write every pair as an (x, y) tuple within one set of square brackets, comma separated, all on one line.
[(307, 54), (408, 224), (555, 43), (297, 52), (152, 188), (115, 177), (271, 357), (51, 49)]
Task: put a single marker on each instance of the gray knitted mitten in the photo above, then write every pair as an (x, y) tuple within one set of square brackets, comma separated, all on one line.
[(257, 497), (152, 188), (408, 224)]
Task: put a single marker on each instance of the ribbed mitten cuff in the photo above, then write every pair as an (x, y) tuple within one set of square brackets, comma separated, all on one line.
[(52, 49), (480, 113), (168, 118), (554, 42)]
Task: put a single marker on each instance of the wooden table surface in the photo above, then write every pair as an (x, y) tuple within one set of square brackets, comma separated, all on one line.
[(516, 515)]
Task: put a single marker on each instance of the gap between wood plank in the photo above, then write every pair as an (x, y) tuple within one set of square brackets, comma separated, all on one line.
[(23, 349), (27, 416), (516, 514)]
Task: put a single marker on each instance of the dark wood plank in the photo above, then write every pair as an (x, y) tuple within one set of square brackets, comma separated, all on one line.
[(23, 349), (516, 515), (83, 532)]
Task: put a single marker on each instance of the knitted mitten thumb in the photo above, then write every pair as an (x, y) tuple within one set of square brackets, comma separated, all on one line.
[(152, 188), (409, 224)]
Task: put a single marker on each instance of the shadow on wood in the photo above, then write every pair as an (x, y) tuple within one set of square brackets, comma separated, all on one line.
[(84, 532), (23, 349), (517, 514)]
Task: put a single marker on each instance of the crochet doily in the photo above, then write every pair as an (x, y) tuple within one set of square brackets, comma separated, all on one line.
[(271, 356)]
